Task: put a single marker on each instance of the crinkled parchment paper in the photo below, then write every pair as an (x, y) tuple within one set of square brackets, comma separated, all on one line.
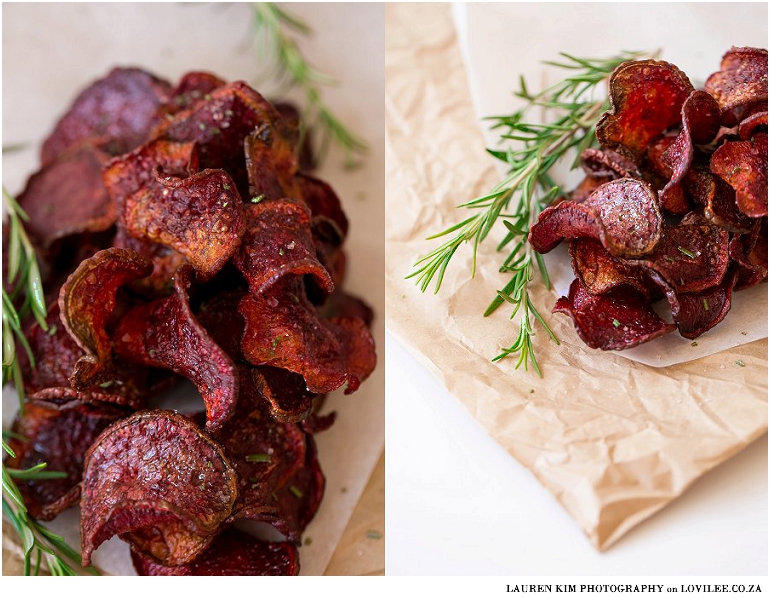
[(51, 51), (613, 440)]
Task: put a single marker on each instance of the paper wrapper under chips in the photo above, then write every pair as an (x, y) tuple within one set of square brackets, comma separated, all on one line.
[(613, 440)]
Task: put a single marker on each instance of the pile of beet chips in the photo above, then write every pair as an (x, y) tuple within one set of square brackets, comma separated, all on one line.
[(179, 238), (674, 203)]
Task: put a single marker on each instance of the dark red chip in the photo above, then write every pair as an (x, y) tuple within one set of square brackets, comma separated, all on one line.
[(749, 251), (600, 272), (283, 329), (646, 98), (87, 301), (160, 483), (232, 553), (741, 83), (323, 202), (271, 161), (743, 164), (200, 217), (623, 214), (166, 334), (753, 123), (116, 112), (606, 163), (617, 320), (278, 242), (692, 256), (67, 196), (58, 435), (191, 89), (284, 393), (717, 199)]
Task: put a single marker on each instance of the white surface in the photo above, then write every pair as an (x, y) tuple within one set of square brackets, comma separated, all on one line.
[(457, 503), (692, 36), (52, 51)]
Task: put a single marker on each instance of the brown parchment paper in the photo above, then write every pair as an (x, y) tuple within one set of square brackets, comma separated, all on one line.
[(613, 440)]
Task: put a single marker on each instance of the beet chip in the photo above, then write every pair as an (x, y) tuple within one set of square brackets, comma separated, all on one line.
[(616, 320), (743, 164), (606, 163), (233, 553), (200, 217), (717, 199), (277, 243), (323, 203), (692, 256), (646, 98), (192, 88), (741, 84), (165, 334), (271, 162), (284, 392), (116, 112), (283, 329), (600, 272), (67, 196), (86, 302), (60, 437), (623, 214), (750, 252), (160, 483), (751, 124)]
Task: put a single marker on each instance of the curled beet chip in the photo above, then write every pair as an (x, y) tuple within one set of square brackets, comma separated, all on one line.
[(117, 112), (199, 216), (87, 301), (232, 553), (67, 196), (165, 262), (166, 334), (323, 202), (623, 214), (740, 84), (278, 242), (600, 272), (700, 123), (283, 329), (160, 483), (617, 320), (285, 393), (58, 436), (192, 88), (646, 98), (752, 123), (717, 199), (692, 256), (696, 313), (606, 163), (749, 251), (220, 124), (743, 164), (271, 161)]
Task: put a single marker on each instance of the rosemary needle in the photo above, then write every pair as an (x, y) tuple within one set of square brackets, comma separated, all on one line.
[(533, 150)]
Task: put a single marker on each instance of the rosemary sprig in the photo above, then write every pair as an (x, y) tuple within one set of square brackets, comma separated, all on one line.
[(537, 148), (37, 541), (24, 289), (285, 62)]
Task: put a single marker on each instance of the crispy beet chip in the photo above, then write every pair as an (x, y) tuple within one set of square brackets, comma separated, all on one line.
[(600, 272), (584, 189), (750, 252), (752, 123), (277, 243), (266, 455), (700, 123), (341, 304), (127, 174), (192, 88), (116, 112), (284, 330), (623, 214), (232, 553), (67, 196), (290, 113), (220, 124), (87, 301), (696, 313), (606, 163), (60, 437), (160, 483), (646, 98), (323, 203), (692, 256), (166, 334), (271, 162), (165, 262), (616, 320), (717, 199), (741, 84), (284, 392), (743, 164), (200, 217)]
